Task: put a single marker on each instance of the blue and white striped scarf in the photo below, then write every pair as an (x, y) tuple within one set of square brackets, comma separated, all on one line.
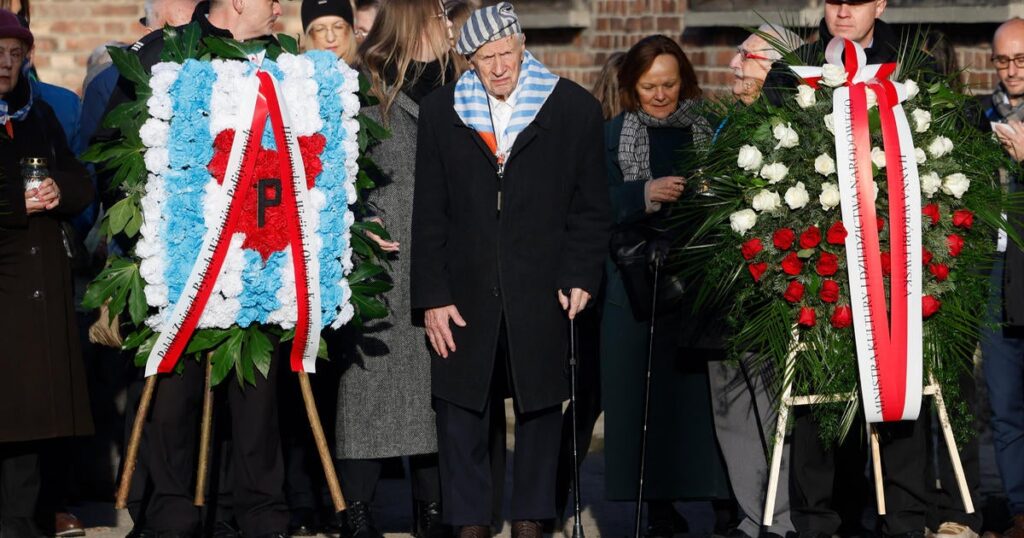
[(19, 114), (535, 86)]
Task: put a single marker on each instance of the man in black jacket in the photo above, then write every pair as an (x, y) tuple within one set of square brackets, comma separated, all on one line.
[(510, 209)]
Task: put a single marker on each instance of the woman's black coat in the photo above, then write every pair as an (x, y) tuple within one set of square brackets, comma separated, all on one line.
[(551, 233)]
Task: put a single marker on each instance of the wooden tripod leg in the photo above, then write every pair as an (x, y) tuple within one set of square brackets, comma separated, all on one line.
[(876, 465), (321, 443), (954, 452), (132, 453), (206, 427), (776, 467)]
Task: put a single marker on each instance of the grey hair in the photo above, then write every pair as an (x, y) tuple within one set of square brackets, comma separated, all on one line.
[(779, 37)]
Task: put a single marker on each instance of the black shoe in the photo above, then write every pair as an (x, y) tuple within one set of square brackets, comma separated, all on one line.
[(301, 523), (663, 521), (428, 522), (359, 522)]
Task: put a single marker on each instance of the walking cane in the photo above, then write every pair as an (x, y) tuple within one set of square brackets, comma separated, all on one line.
[(577, 527), (657, 253)]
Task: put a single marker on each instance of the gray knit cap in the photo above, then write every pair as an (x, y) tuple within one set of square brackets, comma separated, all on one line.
[(487, 24)]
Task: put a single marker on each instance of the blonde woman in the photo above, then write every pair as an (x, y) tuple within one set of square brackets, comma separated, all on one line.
[(384, 403), (328, 26)]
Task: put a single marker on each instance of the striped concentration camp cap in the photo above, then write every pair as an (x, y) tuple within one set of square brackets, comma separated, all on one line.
[(487, 24)]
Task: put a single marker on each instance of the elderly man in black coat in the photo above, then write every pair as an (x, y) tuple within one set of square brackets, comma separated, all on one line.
[(510, 209)]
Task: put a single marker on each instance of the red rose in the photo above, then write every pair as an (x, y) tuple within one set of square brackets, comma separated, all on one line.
[(783, 238), (806, 316), (794, 292), (931, 211), (757, 269), (751, 248), (929, 305), (836, 234), (886, 263), (842, 317), (926, 256), (963, 218), (880, 223), (829, 291), (791, 264), (828, 264), (810, 238), (940, 270), (956, 244)]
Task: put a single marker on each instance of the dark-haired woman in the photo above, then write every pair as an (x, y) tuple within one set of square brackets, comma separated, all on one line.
[(659, 97), (384, 403)]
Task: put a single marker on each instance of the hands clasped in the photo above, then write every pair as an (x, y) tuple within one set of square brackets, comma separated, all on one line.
[(43, 198)]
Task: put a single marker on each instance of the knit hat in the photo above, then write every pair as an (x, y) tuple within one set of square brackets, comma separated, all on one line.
[(10, 26), (487, 24), (314, 9)]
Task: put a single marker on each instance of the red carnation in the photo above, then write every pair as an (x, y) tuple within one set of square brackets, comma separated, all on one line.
[(810, 238), (828, 264), (794, 292), (791, 264), (829, 291), (931, 211), (783, 238), (751, 248), (886, 263), (940, 270), (842, 317), (806, 316), (757, 269), (929, 305), (956, 244), (880, 223), (836, 234), (963, 218), (926, 256)]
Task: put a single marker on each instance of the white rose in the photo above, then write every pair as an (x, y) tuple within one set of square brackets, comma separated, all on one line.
[(930, 184), (872, 98), (824, 165), (766, 200), (749, 159), (830, 123), (742, 220), (912, 88), (922, 120), (940, 146), (829, 197), (920, 156), (797, 197), (878, 157), (805, 96), (774, 172), (955, 185), (786, 136), (833, 75)]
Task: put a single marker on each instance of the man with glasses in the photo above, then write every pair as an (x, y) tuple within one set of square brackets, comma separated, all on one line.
[(754, 57)]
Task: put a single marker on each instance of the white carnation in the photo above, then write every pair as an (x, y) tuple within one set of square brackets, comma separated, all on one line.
[(766, 200), (742, 220), (824, 165), (930, 184), (157, 160), (786, 136), (922, 120), (940, 146), (805, 96), (955, 185), (160, 106), (878, 157), (833, 75), (797, 197), (154, 133), (829, 197), (749, 158), (774, 172), (920, 156)]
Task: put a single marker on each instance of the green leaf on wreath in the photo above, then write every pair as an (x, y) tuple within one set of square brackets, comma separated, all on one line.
[(257, 348), (145, 349), (226, 355), (763, 133), (321, 350), (232, 50), (805, 253), (369, 308), (206, 339), (129, 66), (113, 282), (137, 307), (288, 43), (137, 338)]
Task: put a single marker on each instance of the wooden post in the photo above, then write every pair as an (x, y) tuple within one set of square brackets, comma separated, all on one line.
[(954, 452), (132, 454), (876, 465), (205, 431), (321, 443)]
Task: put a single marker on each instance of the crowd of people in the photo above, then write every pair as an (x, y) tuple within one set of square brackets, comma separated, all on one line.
[(504, 190)]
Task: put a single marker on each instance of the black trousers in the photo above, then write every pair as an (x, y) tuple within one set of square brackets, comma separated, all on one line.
[(813, 477), (359, 478), (19, 480), (471, 448), (257, 470)]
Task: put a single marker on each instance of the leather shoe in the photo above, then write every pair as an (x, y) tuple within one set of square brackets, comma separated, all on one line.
[(475, 531), (527, 529), (427, 521), (1017, 529), (359, 522), (66, 525), (301, 523)]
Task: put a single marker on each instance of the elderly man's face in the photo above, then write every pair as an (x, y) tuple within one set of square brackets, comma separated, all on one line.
[(364, 22), (855, 22), (1007, 45), (498, 64), (750, 66), (256, 18), (12, 54)]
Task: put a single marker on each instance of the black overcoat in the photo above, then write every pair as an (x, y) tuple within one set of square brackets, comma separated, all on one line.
[(551, 233), (42, 379)]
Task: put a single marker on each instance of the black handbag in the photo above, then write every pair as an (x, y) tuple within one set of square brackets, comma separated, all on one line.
[(634, 249)]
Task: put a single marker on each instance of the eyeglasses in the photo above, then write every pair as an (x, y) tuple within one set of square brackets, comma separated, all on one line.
[(442, 15), (16, 54), (1003, 62), (750, 55), (319, 30)]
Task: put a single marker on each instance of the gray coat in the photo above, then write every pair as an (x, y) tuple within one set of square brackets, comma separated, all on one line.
[(384, 406)]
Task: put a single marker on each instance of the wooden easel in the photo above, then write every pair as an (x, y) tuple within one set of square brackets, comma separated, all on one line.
[(788, 401)]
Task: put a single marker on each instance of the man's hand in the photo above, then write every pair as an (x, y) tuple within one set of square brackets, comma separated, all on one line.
[(386, 246), (43, 198), (575, 302), (1012, 137), (438, 331), (666, 189)]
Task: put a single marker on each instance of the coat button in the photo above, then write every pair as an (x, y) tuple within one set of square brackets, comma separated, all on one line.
[(37, 294), (495, 291), (33, 251)]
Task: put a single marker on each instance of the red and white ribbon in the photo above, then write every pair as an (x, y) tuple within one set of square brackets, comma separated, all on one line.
[(260, 97), (888, 335)]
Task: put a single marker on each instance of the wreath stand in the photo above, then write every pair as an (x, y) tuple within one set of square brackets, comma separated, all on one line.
[(132, 453), (789, 401)]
